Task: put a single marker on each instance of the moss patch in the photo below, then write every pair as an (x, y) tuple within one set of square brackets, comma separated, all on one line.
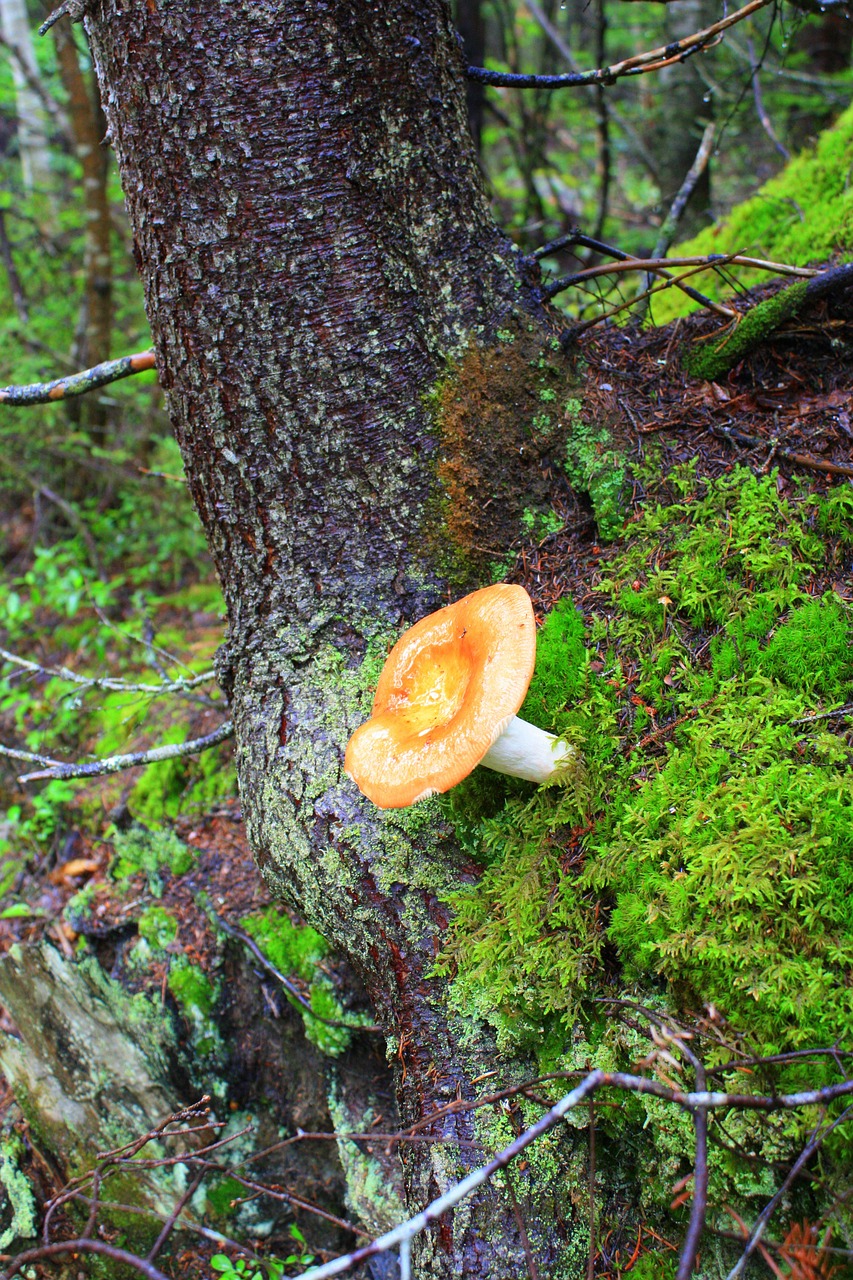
[(297, 951), (499, 420), (715, 857), (803, 215), (705, 860), (595, 464)]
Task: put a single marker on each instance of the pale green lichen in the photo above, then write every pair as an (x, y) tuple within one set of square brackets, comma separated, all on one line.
[(19, 1193)]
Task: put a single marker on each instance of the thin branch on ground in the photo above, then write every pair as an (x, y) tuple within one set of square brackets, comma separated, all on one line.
[(767, 1212), (653, 60), (117, 764), (576, 236), (799, 459), (75, 384), (290, 987), (571, 335), (83, 1245)]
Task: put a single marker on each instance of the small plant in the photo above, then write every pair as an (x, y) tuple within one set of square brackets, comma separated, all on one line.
[(267, 1268)]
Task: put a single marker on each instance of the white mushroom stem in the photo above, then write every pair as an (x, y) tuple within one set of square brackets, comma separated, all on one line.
[(523, 751)]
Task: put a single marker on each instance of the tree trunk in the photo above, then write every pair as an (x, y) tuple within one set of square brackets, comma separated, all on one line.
[(32, 134), (685, 108), (315, 244), (88, 128)]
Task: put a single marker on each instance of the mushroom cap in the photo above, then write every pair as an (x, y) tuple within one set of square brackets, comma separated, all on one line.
[(448, 689)]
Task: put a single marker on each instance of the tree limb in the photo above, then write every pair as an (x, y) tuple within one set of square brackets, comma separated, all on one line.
[(116, 764), (640, 63), (77, 383)]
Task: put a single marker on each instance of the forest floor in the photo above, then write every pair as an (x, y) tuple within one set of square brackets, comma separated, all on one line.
[(785, 411)]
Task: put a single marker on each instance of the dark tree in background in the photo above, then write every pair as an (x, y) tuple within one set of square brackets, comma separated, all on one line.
[(315, 244)]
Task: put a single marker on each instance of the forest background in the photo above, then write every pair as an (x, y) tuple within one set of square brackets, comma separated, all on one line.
[(110, 597)]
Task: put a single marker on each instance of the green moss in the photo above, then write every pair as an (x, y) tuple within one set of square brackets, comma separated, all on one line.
[(18, 1194), (715, 355), (803, 215), (716, 864), (158, 927), (195, 996), (296, 951), (150, 852), (220, 1195), (595, 467)]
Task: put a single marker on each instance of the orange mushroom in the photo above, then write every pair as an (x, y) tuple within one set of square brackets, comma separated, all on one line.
[(446, 702)]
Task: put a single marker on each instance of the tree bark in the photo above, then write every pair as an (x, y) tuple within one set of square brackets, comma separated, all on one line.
[(315, 244)]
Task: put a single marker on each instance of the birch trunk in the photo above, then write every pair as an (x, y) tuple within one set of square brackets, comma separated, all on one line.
[(32, 134)]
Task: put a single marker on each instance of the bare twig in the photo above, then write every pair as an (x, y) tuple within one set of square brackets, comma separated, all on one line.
[(768, 1210), (800, 459), (685, 191), (700, 1100), (576, 236), (653, 60), (15, 287), (36, 84), (181, 685), (654, 264), (616, 116), (83, 1245), (77, 383), (116, 764), (590, 1262), (293, 991), (73, 8), (760, 109)]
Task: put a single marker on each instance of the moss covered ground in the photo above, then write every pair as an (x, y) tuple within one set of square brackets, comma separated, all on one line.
[(703, 865)]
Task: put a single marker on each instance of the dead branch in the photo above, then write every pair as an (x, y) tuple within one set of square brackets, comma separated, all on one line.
[(75, 384), (655, 264), (653, 60), (116, 764), (181, 685)]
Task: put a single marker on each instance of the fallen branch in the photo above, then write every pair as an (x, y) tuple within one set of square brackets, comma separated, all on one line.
[(700, 1100), (722, 351), (576, 236), (768, 1210), (116, 764), (799, 459), (653, 60), (75, 384), (84, 1245)]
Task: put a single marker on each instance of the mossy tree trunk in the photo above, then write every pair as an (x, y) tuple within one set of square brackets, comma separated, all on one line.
[(315, 243)]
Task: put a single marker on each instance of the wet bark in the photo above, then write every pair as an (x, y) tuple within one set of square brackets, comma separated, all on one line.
[(314, 242)]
